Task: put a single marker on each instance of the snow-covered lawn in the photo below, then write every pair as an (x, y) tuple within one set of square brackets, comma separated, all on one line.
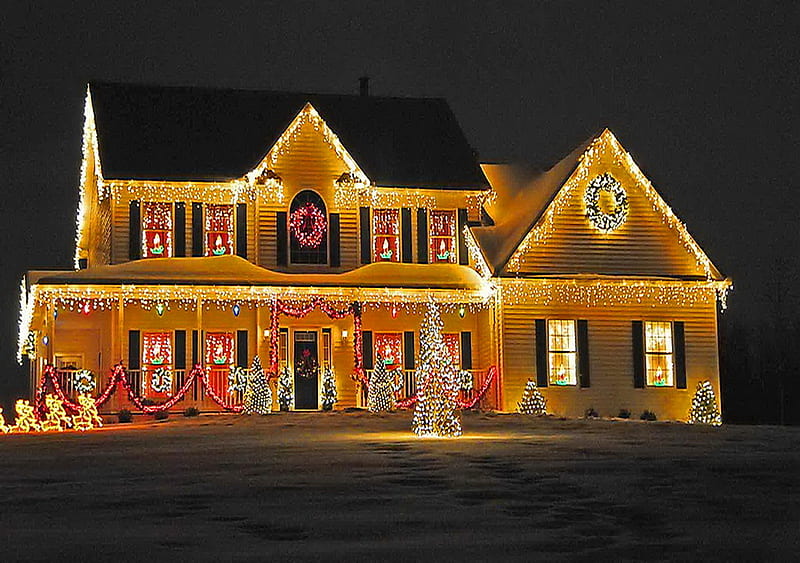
[(357, 486)]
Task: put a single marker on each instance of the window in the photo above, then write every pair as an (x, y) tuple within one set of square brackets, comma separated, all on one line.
[(562, 352), (453, 343), (156, 354), (658, 353), (283, 348), (219, 230), (156, 230), (442, 236), (220, 348), (386, 235), (390, 347), (308, 229), (327, 359)]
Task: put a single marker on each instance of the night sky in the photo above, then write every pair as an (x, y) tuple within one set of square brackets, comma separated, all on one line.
[(704, 96)]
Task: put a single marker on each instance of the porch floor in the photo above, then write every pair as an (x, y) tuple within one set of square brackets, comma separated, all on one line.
[(356, 486)]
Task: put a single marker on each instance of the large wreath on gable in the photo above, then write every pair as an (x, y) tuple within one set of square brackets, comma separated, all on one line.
[(308, 224), (602, 221)]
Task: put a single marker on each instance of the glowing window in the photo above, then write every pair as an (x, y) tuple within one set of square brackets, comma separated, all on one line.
[(386, 235), (156, 354), (562, 352), (453, 343), (156, 230), (658, 353), (442, 236), (390, 347), (220, 348), (219, 229)]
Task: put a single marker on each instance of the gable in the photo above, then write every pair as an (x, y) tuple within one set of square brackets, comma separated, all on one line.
[(650, 242)]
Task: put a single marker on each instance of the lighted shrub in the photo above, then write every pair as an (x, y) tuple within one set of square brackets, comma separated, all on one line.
[(624, 413), (648, 415)]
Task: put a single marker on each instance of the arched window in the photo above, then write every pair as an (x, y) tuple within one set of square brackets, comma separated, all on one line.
[(308, 229)]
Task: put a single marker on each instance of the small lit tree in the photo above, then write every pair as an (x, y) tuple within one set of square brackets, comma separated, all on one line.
[(257, 394), (438, 382), (329, 396), (380, 392), (285, 389), (704, 406), (533, 402)]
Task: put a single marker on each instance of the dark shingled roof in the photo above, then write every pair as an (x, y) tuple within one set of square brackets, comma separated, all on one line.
[(190, 133)]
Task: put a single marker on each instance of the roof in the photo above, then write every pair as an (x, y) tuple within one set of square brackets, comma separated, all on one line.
[(234, 270), (523, 195), (191, 133)]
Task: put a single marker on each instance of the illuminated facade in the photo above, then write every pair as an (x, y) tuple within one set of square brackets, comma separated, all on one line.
[(312, 231)]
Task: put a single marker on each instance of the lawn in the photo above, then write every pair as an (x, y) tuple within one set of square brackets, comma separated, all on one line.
[(358, 486)]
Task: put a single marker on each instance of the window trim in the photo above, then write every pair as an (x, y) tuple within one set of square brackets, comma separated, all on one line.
[(670, 355), (574, 379)]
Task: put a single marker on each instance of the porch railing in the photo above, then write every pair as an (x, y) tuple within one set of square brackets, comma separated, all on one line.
[(408, 388)]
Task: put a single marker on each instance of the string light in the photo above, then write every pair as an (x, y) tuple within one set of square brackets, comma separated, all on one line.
[(84, 381), (704, 406), (329, 394), (285, 389), (532, 402), (382, 387), (308, 225), (89, 146), (606, 222), (257, 393)]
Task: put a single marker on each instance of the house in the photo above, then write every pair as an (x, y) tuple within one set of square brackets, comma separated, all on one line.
[(313, 230)]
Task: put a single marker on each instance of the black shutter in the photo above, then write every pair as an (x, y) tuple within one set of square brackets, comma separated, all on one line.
[(197, 229), (637, 336), (466, 350), (408, 350), (134, 350), (241, 230), (180, 349), (180, 229), (583, 353), (282, 238), (422, 235), (241, 348), (365, 236), (463, 252), (195, 348), (405, 235), (134, 230), (336, 252), (541, 353), (680, 354), (366, 348)]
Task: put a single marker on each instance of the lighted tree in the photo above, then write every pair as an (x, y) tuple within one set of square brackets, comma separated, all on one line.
[(329, 396), (438, 381), (257, 394), (704, 406), (380, 392), (285, 389), (533, 402), (87, 417)]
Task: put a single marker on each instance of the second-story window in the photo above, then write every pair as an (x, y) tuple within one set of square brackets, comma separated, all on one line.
[(442, 236), (386, 235), (156, 230), (219, 230), (308, 229)]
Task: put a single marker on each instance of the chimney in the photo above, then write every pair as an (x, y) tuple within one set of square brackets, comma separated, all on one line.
[(363, 85)]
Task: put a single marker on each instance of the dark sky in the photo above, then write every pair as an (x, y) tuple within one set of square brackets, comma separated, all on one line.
[(703, 95)]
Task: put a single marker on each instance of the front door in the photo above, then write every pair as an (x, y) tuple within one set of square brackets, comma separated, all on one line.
[(306, 370)]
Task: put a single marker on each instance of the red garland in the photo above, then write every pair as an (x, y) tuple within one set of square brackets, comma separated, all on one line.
[(467, 404), (308, 224)]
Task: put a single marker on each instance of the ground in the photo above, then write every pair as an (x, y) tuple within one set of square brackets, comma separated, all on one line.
[(356, 486)]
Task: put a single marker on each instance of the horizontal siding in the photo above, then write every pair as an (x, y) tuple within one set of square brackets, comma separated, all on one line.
[(644, 244), (611, 363)]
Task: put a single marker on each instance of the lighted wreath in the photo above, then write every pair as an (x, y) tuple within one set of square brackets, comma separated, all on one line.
[(606, 222), (83, 381), (161, 380), (307, 224), (306, 366)]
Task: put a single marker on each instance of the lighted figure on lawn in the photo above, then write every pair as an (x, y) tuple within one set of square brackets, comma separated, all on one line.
[(381, 389), (3, 428), (257, 394), (704, 406), (438, 382), (87, 417), (56, 418), (285, 389), (329, 395), (533, 402), (26, 419)]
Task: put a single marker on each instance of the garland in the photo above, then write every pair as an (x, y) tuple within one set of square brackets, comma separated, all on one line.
[(606, 222), (462, 403), (308, 224)]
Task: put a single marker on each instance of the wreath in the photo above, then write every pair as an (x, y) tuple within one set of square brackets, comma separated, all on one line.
[(308, 224), (161, 380), (237, 379), (606, 222), (306, 366), (83, 381)]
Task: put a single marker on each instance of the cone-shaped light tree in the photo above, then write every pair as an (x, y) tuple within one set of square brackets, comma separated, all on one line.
[(704, 406), (329, 396), (533, 402), (285, 389), (380, 393), (438, 381), (257, 394)]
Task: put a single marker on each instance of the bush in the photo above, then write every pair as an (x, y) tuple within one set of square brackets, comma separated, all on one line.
[(125, 416), (191, 411), (590, 413), (148, 402), (648, 415), (161, 415), (624, 413)]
